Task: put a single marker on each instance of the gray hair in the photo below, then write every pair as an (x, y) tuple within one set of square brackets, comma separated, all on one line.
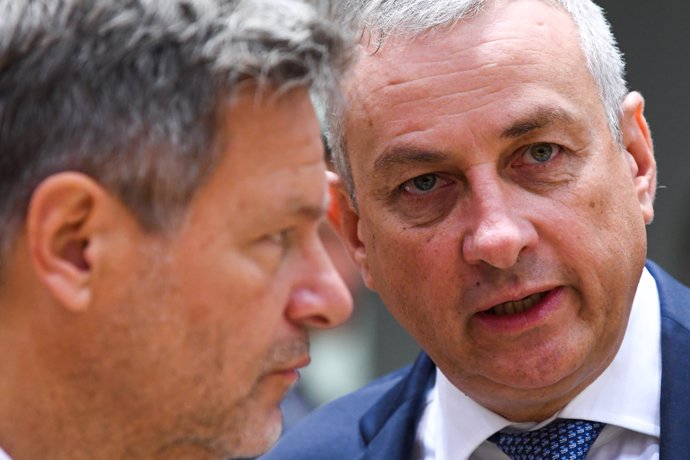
[(413, 18), (130, 91)]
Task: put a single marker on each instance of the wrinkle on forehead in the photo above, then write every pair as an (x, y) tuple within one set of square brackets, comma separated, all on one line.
[(411, 72), (413, 25), (478, 31), (414, 65)]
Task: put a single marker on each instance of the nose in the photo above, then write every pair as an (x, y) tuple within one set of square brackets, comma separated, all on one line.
[(320, 299), (499, 232)]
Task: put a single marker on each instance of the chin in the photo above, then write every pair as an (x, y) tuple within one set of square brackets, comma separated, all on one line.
[(260, 433)]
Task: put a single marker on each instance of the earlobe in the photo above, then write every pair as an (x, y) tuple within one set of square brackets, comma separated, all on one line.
[(346, 223), (59, 231), (638, 144)]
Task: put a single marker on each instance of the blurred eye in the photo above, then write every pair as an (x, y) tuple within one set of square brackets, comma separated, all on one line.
[(280, 238), (421, 185), (540, 153)]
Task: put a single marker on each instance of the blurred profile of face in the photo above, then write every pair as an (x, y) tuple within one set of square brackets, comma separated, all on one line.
[(208, 323), (498, 218)]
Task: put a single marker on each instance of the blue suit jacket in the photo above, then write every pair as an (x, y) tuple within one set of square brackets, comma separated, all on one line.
[(380, 420)]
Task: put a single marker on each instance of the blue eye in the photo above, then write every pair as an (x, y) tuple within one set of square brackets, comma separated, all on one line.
[(421, 184), (425, 183), (541, 153)]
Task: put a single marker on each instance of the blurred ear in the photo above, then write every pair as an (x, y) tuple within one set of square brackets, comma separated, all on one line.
[(345, 220), (637, 141), (64, 218)]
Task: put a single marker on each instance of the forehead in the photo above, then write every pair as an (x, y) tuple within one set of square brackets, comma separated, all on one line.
[(478, 73), (499, 30), (271, 165)]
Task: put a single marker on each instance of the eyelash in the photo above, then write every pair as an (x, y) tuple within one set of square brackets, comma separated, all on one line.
[(524, 152), (404, 187), (281, 238)]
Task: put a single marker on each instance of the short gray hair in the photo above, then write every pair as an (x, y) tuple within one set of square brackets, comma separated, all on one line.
[(130, 91), (413, 18)]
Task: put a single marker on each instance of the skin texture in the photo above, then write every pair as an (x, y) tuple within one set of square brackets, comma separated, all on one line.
[(179, 345), (484, 173)]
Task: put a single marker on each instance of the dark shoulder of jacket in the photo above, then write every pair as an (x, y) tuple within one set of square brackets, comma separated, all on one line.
[(332, 431)]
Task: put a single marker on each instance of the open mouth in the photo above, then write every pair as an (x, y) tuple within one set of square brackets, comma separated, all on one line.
[(517, 306)]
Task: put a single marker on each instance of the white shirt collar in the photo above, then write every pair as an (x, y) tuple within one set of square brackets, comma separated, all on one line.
[(3, 455), (626, 394)]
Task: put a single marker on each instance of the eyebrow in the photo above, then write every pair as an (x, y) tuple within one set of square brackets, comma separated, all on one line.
[(538, 118), (403, 156), (305, 211)]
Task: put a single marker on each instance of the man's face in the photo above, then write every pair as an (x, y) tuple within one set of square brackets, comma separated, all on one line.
[(208, 325), (498, 218)]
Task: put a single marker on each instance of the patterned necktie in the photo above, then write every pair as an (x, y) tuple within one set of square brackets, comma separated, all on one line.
[(562, 439)]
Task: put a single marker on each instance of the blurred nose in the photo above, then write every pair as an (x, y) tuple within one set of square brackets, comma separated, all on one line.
[(320, 299), (498, 232)]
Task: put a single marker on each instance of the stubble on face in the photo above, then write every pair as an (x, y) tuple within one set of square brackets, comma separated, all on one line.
[(242, 429)]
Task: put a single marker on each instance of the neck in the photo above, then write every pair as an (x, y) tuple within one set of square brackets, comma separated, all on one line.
[(51, 407), (42, 417)]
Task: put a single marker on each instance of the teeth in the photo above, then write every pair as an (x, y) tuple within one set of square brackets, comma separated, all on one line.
[(518, 306)]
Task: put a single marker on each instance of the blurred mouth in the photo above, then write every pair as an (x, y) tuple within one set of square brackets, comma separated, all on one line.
[(292, 368), (300, 363), (514, 307)]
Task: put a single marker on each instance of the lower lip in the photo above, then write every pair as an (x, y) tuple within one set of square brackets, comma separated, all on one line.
[(291, 375), (528, 319)]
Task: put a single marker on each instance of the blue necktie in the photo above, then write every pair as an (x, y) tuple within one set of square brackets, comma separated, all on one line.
[(562, 439)]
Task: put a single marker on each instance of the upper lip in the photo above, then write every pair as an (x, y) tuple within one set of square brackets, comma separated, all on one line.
[(298, 363)]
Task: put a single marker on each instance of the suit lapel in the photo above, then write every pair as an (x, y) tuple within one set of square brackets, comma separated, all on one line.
[(389, 427), (675, 365)]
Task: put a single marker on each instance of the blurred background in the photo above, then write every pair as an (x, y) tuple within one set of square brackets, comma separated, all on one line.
[(655, 39)]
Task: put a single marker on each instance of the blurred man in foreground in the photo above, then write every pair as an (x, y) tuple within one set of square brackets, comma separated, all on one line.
[(161, 189), (496, 179)]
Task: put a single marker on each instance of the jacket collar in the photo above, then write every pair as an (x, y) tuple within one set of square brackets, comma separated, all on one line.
[(675, 364), (389, 427)]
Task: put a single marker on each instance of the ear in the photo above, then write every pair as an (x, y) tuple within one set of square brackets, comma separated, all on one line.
[(637, 141), (60, 227), (346, 223)]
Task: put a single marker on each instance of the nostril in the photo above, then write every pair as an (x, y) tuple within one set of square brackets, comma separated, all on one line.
[(322, 306), (498, 243), (321, 322)]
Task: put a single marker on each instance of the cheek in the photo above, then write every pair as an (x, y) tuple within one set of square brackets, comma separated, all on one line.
[(225, 286), (604, 250), (233, 316), (614, 227), (416, 254), (599, 216), (414, 270)]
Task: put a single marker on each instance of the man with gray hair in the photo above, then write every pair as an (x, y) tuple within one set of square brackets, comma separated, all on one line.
[(496, 180), (162, 184)]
